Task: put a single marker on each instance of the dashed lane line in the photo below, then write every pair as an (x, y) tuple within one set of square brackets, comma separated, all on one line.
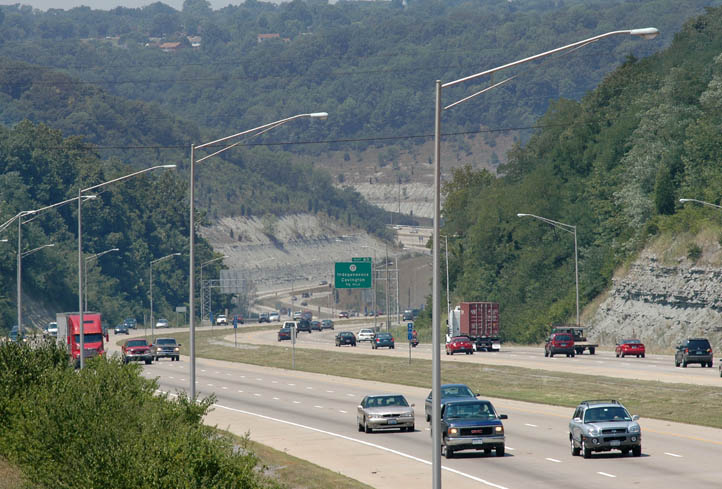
[(673, 455), (612, 476), (530, 425), (554, 460)]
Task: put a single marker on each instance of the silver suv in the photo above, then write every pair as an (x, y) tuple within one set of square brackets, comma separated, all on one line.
[(602, 426)]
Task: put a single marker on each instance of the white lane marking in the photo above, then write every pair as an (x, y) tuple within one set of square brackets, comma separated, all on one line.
[(673, 455), (275, 399), (168, 376), (223, 386), (362, 442), (297, 402), (243, 376), (309, 387), (217, 372), (351, 395), (554, 460), (182, 380), (272, 382), (241, 392), (259, 379), (330, 392), (531, 425), (509, 448), (201, 369), (257, 395), (209, 385), (228, 375), (291, 385), (342, 411), (319, 407), (607, 475)]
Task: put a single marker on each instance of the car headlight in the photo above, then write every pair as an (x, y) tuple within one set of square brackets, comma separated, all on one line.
[(499, 429), (593, 432), (453, 431), (633, 428), (176, 349)]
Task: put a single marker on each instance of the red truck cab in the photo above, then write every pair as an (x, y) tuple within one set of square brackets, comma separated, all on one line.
[(93, 340)]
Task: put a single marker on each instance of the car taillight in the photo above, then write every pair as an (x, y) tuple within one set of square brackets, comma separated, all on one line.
[(686, 350)]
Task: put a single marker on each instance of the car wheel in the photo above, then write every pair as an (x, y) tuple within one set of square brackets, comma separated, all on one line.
[(411, 428), (684, 364), (448, 451), (125, 360), (428, 418), (546, 353), (572, 355), (622, 355), (676, 363), (637, 451), (625, 451), (586, 451), (392, 347), (642, 355), (617, 354), (367, 429), (551, 354), (500, 450), (360, 426), (574, 448), (177, 358), (591, 351), (487, 451)]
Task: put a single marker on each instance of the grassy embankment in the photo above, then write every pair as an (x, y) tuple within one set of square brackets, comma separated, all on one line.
[(658, 400)]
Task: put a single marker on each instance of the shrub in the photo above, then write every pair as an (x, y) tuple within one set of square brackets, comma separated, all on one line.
[(694, 252)]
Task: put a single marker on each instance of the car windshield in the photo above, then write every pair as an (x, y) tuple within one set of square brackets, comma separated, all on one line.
[(563, 337), (137, 343), (698, 344), (165, 341), (631, 342), (456, 391), (381, 401), (346, 335), (365, 331), (610, 413), (469, 410), (460, 338), (89, 338), (384, 336)]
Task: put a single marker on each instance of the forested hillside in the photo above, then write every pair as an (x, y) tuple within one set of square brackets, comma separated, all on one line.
[(614, 165)]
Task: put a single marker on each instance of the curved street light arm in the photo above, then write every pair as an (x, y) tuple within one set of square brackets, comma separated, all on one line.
[(709, 204), (565, 227), (29, 252), (124, 177)]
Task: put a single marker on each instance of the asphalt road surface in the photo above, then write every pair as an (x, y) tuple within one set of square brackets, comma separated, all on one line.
[(313, 417), (653, 367)]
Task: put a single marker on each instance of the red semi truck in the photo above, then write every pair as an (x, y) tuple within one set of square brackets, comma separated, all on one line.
[(69, 334), (479, 321)]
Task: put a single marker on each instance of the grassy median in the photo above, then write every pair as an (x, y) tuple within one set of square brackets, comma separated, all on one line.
[(686, 403)]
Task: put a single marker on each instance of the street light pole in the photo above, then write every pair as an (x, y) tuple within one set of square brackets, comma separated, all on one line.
[(19, 278), (81, 191), (256, 131), (85, 278), (570, 229), (152, 324), (647, 33), (709, 204)]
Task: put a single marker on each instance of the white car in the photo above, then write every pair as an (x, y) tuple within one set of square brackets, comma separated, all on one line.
[(365, 335), (221, 320), (162, 323), (274, 316)]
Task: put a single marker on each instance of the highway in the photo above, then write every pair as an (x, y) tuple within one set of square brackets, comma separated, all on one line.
[(313, 417), (654, 367)]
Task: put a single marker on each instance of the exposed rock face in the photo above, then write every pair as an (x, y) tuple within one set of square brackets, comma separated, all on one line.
[(661, 305)]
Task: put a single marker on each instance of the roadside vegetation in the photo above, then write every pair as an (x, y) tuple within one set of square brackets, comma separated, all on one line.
[(658, 400)]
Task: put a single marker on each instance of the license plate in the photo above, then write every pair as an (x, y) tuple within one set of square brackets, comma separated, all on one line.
[(700, 352), (392, 421), (477, 441), (615, 443)]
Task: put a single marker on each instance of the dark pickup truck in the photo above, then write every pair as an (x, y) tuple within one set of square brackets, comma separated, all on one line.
[(471, 425)]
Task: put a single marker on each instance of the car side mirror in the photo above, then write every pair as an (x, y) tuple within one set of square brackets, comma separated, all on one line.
[(412, 405), (503, 416), (577, 420), (360, 406), (477, 394), (635, 417), (179, 345)]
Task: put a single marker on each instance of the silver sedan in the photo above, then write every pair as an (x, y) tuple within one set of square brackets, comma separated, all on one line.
[(385, 411)]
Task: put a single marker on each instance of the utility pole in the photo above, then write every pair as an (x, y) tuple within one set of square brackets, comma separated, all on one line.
[(388, 311)]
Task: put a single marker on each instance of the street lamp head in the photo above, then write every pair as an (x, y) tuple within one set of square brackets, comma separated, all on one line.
[(175, 254), (319, 115), (522, 215), (167, 166), (647, 33), (685, 200)]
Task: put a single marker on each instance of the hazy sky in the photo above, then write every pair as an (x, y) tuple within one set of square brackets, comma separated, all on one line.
[(110, 4)]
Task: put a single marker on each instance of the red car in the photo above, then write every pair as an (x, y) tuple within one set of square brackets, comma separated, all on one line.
[(136, 350), (459, 344), (629, 347), (559, 343)]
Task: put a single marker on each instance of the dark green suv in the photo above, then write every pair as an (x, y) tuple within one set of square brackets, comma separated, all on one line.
[(693, 350)]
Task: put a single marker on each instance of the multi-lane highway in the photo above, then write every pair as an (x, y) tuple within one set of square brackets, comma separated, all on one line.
[(312, 416), (653, 367)]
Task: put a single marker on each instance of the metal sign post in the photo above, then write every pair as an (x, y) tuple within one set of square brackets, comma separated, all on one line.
[(410, 330), (235, 330), (293, 347)]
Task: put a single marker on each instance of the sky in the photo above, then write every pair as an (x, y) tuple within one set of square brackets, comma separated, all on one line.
[(111, 4)]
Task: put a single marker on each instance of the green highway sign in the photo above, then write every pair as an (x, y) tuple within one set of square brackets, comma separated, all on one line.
[(352, 275), (362, 258)]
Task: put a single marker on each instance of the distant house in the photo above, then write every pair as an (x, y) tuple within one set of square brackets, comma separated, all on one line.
[(195, 41), (267, 37), (170, 47)]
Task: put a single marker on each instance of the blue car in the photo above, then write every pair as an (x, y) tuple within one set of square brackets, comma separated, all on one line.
[(121, 329), (471, 425), (450, 392), (382, 339)]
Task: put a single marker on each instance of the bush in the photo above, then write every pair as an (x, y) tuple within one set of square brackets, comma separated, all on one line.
[(694, 252), (105, 426)]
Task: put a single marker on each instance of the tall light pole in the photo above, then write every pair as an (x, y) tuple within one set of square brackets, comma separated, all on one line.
[(203, 265), (256, 131), (152, 324), (570, 229), (85, 278), (20, 218), (708, 204), (81, 191), (647, 33), (19, 279)]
